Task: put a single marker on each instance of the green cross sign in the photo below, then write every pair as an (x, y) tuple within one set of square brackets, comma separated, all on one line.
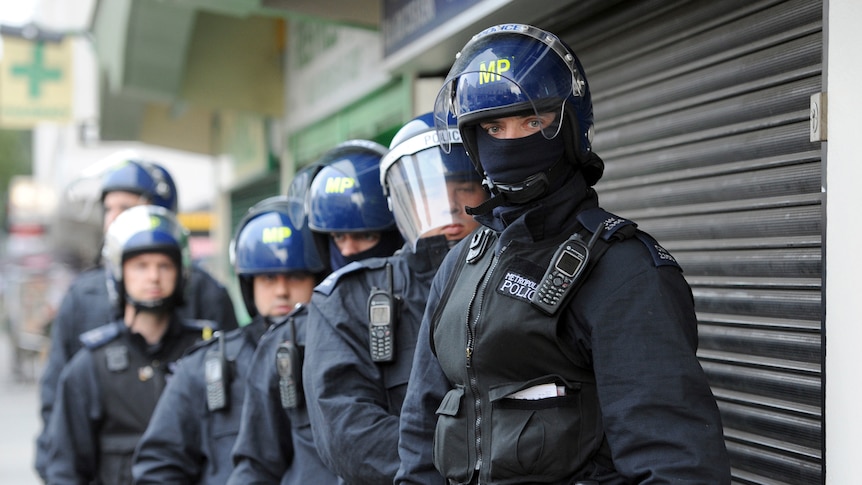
[(36, 71)]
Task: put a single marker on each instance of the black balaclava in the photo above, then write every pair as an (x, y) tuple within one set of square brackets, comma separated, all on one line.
[(520, 170), (511, 161), (390, 241)]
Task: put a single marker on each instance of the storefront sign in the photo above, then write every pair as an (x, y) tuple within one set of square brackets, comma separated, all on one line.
[(35, 82)]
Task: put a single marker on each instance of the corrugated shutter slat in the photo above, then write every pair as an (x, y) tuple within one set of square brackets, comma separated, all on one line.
[(702, 118)]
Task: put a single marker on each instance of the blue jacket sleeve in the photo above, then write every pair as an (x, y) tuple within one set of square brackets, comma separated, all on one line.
[(660, 417), (84, 306), (57, 358), (263, 449), (170, 451), (425, 391), (354, 431), (73, 428)]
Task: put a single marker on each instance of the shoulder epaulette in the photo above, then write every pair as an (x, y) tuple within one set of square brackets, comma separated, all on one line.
[(621, 228), (327, 285), (615, 227), (99, 336), (660, 255)]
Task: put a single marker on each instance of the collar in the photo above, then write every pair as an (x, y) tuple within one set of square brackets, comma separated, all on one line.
[(428, 255), (255, 330), (172, 333), (544, 218)]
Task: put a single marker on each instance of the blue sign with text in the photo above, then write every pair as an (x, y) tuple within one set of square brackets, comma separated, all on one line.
[(404, 21)]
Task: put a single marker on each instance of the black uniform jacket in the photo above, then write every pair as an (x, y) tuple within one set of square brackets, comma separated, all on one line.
[(106, 396), (275, 444), (186, 442), (354, 402), (632, 322), (86, 306)]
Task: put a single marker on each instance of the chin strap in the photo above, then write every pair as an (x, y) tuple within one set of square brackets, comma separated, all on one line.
[(162, 305), (531, 188)]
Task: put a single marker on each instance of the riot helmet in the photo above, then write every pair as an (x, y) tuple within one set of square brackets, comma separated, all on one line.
[(145, 229), (268, 242), (298, 193), (345, 196), (428, 188), (147, 179), (520, 70)]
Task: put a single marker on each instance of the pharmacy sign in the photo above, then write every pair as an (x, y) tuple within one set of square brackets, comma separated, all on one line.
[(35, 82)]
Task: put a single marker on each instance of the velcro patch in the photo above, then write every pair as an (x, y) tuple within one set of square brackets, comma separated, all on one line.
[(520, 280), (117, 358)]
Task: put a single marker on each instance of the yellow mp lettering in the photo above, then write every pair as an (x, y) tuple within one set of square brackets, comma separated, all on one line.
[(492, 71), (276, 234), (339, 184)]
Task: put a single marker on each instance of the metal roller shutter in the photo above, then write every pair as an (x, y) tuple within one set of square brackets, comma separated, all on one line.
[(702, 118)]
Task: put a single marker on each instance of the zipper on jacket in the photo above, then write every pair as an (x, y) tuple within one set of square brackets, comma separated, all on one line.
[(474, 386)]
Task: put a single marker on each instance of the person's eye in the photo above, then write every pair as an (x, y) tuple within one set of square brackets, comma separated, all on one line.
[(535, 123), (466, 188), (491, 129), (338, 236)]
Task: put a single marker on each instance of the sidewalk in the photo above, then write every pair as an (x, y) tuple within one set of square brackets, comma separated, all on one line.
[(19, 422)]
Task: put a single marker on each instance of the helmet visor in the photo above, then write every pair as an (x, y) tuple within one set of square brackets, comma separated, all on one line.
[(428, 192), (509, 70)]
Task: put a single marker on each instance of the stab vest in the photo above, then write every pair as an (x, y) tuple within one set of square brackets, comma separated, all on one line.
[(131, 381), (500, 348)]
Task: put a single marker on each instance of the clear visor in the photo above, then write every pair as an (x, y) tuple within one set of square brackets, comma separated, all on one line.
[(500, 73), (426, 195)]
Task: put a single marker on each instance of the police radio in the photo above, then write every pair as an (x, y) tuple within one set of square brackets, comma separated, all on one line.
[(216, 376), (567, 266), (382, 308), (287, 362)]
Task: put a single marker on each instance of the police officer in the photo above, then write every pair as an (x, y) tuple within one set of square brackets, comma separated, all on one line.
[(586, 372), (275, 441), (364, 318), (86, 304), (109, 389), (193, 428)]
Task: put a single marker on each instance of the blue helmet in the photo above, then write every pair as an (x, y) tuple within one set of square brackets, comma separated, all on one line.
[(414, 175), (298, 193), (345, 195), (145, 229), (146, 179), (517, 69), (267, 241)]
